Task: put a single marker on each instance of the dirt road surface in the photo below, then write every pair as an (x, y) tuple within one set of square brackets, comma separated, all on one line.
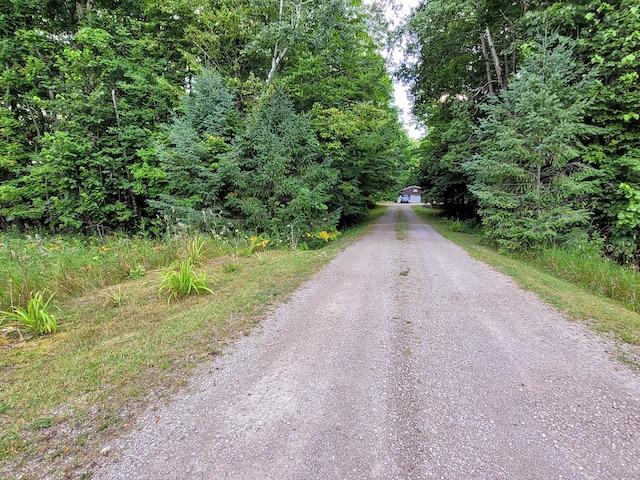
[(402, 359)]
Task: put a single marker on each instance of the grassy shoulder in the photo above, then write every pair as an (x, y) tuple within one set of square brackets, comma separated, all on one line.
[(582, 302), (120, 348), (401, 227)]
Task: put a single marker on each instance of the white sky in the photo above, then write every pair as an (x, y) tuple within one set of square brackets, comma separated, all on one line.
[(396, 12)]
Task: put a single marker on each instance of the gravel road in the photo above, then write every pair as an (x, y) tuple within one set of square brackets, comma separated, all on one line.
[(402, 359)]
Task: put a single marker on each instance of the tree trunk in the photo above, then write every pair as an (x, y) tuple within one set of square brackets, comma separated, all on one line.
[(487, 63), (278, 54), (115, 106), (496, 59), (35, 124)]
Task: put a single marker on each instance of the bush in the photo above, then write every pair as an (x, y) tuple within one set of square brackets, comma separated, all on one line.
[(318, 239)]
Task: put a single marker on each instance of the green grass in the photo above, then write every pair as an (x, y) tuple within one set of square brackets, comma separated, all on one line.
[(121, 347), (73, 266), (561, 286), (401, 226), (183, 281), (590, 270)]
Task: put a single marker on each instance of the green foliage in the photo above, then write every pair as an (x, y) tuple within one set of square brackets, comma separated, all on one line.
[(196, 144), (276, 174), (459, 54), (530, 189), (611, 42), (91, 89), (137, 272), (366, 148), (341, 64), (182, 282), (87, 140), (589, 268), (318, 239), (630, 218), (443, 152), (442, 70), (72, 266), (35, 318), (458, 226)]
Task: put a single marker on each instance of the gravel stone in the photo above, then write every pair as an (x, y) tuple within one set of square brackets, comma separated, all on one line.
[(402, 359)]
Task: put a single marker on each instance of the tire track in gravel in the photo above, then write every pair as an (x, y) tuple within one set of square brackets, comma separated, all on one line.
[(449, 371)]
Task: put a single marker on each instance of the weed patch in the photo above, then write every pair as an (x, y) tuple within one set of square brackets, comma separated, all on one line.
[(182, 282), (401, 226), (74, 266)]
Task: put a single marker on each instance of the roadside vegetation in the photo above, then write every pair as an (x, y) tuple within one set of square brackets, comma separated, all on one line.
[(579, 281), (401, 226), (120, 345), (532, 110)]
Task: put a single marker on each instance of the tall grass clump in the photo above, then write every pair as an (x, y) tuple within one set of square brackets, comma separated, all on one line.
[(73, 265), (182, 282), (586, 267), (35, 319)]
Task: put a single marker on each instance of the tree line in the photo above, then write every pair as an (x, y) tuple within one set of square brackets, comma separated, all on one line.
[(533, 115), (264, 115)]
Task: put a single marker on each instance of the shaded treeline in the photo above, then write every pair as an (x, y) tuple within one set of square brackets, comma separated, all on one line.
[(533, 111), (264, 115)]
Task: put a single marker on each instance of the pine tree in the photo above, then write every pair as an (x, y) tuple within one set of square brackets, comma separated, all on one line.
[(527, 179), (195, 144), (279, 180)]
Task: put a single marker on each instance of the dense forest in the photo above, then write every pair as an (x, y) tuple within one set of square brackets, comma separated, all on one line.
[(533, 115), (276, 116), (131, 115)]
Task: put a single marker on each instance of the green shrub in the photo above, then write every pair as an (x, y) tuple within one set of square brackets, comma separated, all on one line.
[(457, 226), (137, 272)]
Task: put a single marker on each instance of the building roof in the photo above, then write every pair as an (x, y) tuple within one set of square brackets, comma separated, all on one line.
[(411, 188)]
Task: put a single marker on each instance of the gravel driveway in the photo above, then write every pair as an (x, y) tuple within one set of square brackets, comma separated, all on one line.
[(402, 359)]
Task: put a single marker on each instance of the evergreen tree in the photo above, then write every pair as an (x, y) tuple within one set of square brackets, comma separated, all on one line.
[(278, 179), (526, 177), (195, 144)]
